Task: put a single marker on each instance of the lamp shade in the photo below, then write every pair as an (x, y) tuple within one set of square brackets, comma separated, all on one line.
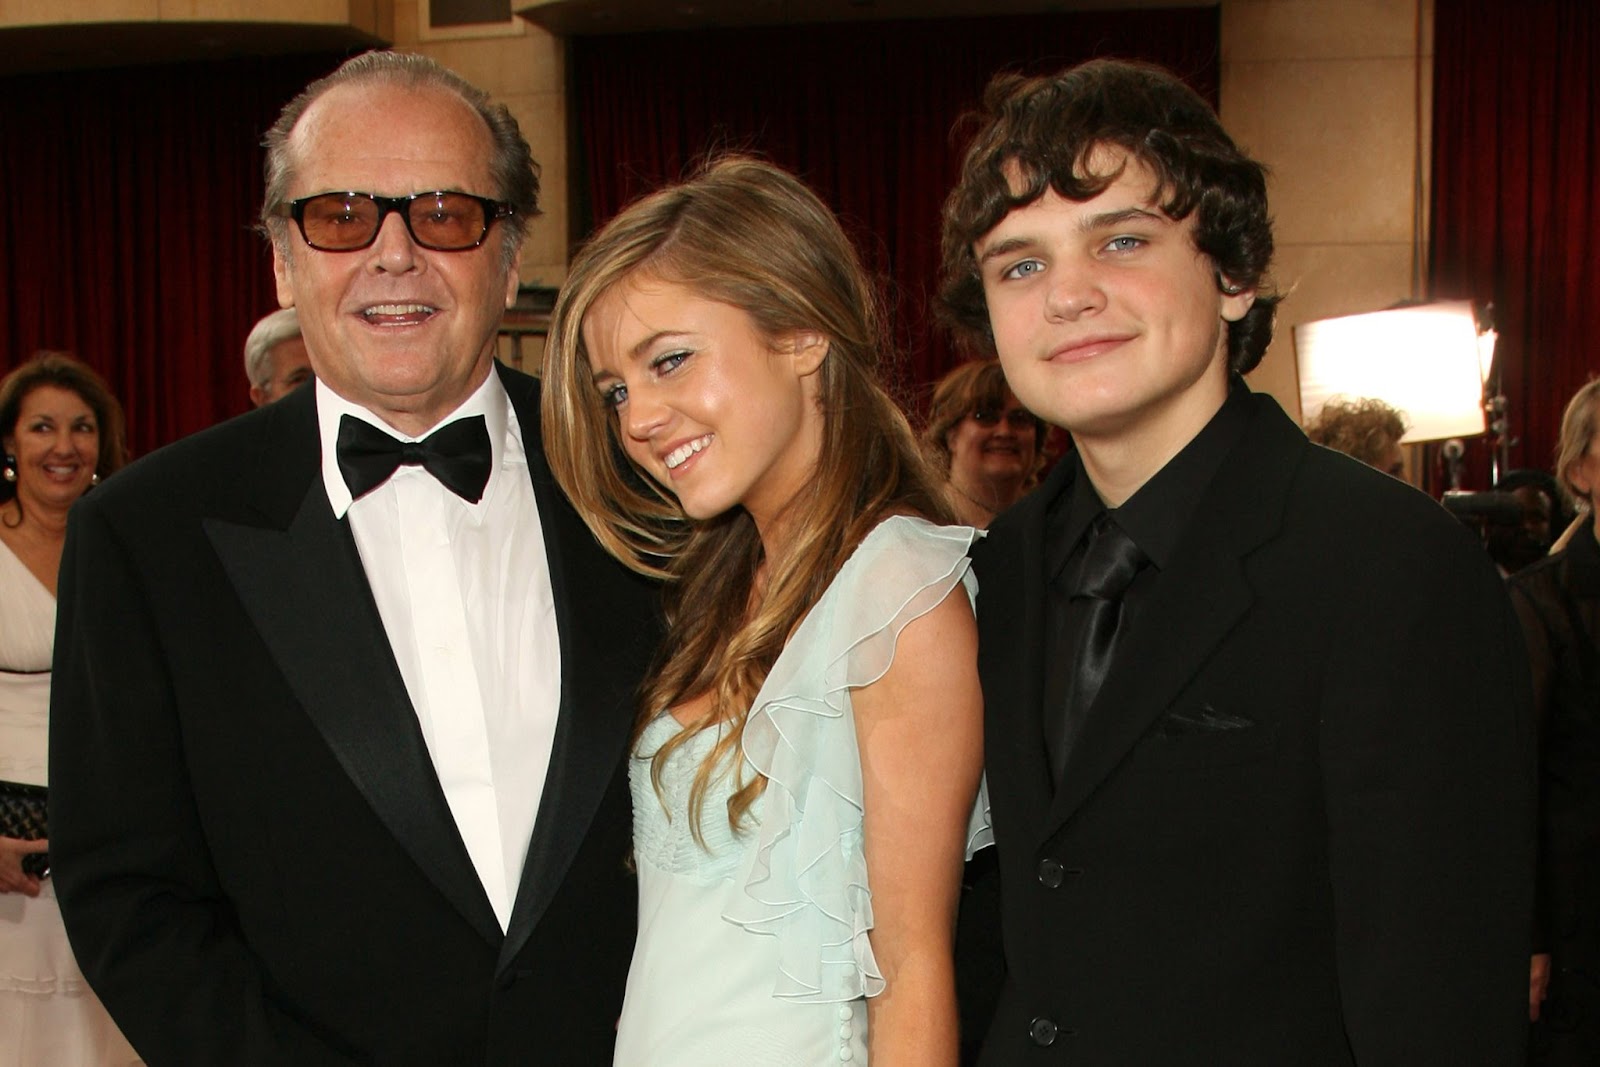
[(1423, 361)]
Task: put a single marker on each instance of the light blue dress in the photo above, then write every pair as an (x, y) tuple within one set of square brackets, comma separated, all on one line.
[(753, 950)]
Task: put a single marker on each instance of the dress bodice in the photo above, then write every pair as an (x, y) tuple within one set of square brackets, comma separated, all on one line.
[(667, 840), (27, 617), (27, 630)]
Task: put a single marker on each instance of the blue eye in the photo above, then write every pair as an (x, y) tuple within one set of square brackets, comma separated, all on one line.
[(1124, 243), (1026, 269), (668, 362), (614, 396)]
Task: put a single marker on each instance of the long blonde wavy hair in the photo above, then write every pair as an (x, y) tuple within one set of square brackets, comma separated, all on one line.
[(748, 234)]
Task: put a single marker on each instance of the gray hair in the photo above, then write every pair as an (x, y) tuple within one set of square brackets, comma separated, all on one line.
[(511, 166), (266, 335)]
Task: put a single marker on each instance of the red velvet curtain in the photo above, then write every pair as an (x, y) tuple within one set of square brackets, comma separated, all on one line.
[(125, 228), (862, 111), (1516, 196)]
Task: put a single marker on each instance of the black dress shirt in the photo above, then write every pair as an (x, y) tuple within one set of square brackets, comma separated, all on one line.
[(1155, 517)]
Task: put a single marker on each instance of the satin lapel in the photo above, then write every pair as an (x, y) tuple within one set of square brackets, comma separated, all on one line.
[(1011, 653), (598, 673), (1193, 607), (305, 590)]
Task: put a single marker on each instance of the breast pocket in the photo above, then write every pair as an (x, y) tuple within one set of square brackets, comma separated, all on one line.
[(1200, 735)]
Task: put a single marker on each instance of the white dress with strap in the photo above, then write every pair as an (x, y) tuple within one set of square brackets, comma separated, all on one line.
[(754, 949), (48, 1014)]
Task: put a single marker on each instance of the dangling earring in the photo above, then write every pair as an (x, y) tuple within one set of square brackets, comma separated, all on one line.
[(94, 479), (10, 471)]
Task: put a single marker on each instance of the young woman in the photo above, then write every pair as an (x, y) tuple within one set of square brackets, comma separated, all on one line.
[(809, 744)]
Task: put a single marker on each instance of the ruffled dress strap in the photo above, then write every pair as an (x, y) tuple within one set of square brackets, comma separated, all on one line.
[(805, 882)]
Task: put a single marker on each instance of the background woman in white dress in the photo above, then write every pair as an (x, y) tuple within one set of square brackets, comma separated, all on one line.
[(62, 432), (809, 744)]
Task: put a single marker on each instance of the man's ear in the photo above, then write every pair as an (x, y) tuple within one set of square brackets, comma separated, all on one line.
[(514, 276), (808, 349), (1236, 299), (280, 273)]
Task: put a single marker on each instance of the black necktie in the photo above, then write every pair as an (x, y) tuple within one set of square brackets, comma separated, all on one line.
[(457, 454), (1110, 562)]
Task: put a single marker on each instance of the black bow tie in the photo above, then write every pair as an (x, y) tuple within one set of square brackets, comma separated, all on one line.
[(457, 454)]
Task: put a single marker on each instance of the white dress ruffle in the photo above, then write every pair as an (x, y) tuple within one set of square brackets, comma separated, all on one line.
[(806, 880), (759, 940)]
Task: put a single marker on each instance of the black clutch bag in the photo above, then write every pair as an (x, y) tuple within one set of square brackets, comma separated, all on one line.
[(24, 814)]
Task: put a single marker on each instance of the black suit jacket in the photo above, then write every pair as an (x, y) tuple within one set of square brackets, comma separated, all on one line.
[(254, 856), (1296, 827)]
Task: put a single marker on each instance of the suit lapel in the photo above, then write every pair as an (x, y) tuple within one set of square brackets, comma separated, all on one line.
[(300, 578), (1192, 608), (598, 672)]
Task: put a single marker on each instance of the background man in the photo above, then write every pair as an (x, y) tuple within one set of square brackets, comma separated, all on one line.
[(338, 758), (275, 358), (1257, 733)]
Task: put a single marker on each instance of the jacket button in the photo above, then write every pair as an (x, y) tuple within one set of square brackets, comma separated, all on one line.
[(1051, 873), (1042, 1032)]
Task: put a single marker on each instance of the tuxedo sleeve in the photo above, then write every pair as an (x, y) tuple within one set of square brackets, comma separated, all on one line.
[(1428, 771), (146, 917)]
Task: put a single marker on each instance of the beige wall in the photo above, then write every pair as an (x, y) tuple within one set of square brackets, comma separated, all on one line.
[(523, 67), (1330, 94)]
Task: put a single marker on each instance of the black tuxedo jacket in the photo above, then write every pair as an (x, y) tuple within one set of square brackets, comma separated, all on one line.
[(1296, 827), (254, 856)]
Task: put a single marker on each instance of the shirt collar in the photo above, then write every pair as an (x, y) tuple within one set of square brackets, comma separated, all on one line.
[(488, 400), (1159, 513)]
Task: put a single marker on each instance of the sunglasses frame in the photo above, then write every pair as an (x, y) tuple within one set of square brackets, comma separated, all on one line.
[(493, 210)]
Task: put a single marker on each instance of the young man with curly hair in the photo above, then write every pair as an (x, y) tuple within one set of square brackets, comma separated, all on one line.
[(1257, 740)]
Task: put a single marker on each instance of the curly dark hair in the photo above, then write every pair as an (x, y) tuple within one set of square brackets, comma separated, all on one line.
[(1046, 129)]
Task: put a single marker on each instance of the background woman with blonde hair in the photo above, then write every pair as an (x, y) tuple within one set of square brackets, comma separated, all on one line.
[(809, 743)]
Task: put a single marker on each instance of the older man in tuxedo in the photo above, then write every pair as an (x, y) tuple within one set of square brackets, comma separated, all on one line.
[(1257, 732), (344, 686)]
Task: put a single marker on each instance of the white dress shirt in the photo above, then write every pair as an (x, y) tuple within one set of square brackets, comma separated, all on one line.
[(464, 593)]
